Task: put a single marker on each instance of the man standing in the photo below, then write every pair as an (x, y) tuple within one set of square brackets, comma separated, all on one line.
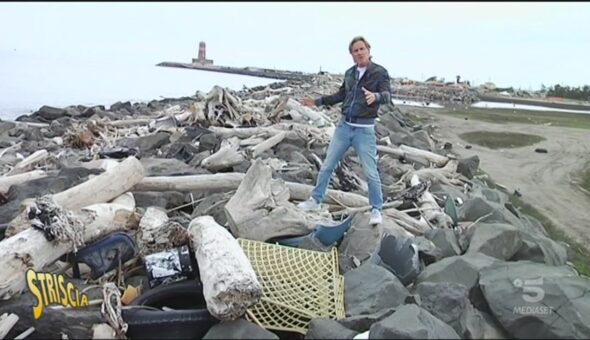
[(366, 85)]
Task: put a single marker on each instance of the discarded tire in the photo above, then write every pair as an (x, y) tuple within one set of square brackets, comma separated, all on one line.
[(190, 318), (541, 150)]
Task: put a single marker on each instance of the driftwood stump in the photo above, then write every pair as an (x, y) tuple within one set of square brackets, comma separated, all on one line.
[(230, 285)]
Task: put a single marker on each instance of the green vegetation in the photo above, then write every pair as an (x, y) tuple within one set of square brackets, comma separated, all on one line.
[(580, 93), (497, 140), (503, 116), (585, 180)]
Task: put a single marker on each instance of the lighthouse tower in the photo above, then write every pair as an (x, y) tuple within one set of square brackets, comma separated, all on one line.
[(202, 56)]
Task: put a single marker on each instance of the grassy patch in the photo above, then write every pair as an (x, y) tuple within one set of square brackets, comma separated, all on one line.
[(503, 116), (585, 180), (497, 140)]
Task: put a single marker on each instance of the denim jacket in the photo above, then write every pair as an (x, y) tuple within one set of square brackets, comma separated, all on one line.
[(354, 107)]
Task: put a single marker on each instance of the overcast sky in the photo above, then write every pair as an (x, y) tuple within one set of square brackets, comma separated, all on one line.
[(512, 44)]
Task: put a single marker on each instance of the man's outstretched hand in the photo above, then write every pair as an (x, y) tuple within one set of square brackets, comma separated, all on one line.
[(307, 101), (369, 96)]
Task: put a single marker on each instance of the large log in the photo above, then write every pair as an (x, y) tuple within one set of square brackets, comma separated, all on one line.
[(99, 189), (7, 181), (230, 285), (31, 249), (228, 155), (267, 144), (26, 164), (231, 181), (430, 156), (260, 208), (103, 187)]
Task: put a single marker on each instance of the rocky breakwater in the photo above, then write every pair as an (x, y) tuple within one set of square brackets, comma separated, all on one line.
[(73, 175)]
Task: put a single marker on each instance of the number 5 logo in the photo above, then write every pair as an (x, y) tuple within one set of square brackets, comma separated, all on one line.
[(531, 292)]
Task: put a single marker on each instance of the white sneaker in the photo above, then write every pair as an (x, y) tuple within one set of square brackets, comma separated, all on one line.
[(375, 217), (310, 204)]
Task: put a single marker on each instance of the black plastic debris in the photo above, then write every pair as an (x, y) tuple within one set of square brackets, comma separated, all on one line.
[(182, 151), (119, 153), (103, 255), (172, 265), (399, 256)]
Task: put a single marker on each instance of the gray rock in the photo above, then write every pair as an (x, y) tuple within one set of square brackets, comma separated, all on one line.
[(50, 113), (146, 143), (361, 240), (362, 323), (539, 248), (328, 329), (497, 240), (468, 166), (370, 289), (166, 167), (238, 329), (532, 300), (450, 303), (477, 207), (412, 322), (462, 269), (6, 126), (445, 240), (419, 139), (491, 328)]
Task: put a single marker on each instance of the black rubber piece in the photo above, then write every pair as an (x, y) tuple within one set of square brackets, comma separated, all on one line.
[(190, 318)]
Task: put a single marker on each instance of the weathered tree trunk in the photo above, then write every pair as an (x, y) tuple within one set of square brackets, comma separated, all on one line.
[(445, 175), (430, 156), (25, 164), (414, 226), (103, 187), (99, 189), (7, 181), (30, 248), (244, 132), (228, 155), (267, 144), (231, 180), (301, 113), (230, 285)]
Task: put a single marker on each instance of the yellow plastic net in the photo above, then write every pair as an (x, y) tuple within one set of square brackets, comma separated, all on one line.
[(298, 285)]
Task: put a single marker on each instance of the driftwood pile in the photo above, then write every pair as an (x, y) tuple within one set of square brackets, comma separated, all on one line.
[(207, 169)]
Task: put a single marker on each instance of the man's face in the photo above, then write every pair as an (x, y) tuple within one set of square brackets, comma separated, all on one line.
[(360, 53)]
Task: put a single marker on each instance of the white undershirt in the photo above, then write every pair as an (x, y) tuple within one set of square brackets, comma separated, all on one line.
[(361, 72)]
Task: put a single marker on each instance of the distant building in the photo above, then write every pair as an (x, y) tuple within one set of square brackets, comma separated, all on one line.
[(202, 56)]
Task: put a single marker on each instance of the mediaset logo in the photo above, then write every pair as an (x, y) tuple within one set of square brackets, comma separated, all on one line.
[(533, 294)]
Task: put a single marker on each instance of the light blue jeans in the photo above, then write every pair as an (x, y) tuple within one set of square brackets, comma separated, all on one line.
[(364, 142)]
